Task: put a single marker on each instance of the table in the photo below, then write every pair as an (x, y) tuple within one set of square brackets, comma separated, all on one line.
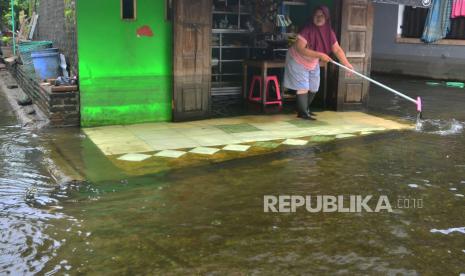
[(264, 65)]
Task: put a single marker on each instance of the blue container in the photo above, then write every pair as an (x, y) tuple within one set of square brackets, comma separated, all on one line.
[(46, 63), (26, 48), (49, 50)]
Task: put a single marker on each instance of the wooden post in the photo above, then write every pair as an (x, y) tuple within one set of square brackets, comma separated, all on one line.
[(12, 3), (356, 40)]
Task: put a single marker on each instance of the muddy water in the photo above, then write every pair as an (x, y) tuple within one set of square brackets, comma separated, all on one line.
[(27, 211), (210, 219)]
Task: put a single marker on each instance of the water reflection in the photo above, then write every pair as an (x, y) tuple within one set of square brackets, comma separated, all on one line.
[(209, 219), (27, 211), (440, 127)]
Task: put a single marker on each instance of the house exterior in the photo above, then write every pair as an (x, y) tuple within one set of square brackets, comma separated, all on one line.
[(393, 53), (151, 61), (125, 77), (192, 56)]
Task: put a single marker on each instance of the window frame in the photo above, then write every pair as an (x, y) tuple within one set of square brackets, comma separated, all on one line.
[(122, 13), (407, 40), (169, 10)]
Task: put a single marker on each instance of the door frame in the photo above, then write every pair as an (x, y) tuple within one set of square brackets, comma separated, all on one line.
[(177, 79), (337, 80)]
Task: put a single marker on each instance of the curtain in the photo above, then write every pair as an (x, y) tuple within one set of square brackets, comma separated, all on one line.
[(438, 22), (457, 29), (413, 22)]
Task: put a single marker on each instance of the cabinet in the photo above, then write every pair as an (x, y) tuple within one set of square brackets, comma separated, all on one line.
[(231, 43)]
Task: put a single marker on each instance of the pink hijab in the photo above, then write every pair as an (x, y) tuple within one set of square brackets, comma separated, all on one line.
[(320, 38)]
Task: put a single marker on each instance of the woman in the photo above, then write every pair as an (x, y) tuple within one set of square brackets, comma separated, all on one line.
[(314, 43)]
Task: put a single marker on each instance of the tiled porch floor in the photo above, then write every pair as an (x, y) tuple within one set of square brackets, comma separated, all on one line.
[(174, 139)]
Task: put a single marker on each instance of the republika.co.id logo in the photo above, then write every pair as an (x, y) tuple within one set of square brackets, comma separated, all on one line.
[(339, 204)]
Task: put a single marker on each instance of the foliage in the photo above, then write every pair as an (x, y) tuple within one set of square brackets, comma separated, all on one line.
[(70, 11), (6, 41), (5, 11)]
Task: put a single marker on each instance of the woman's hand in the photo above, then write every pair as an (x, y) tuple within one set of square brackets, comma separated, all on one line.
[(348, 65), (325, 58)]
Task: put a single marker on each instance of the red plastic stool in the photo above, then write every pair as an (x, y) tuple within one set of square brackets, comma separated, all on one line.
[(255, 79), (269, 79)]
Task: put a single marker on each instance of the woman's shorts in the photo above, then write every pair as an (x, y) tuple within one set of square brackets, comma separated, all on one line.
[(297, 77)]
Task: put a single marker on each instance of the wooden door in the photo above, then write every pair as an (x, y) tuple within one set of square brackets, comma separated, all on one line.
[(192, 23), (356, 39)]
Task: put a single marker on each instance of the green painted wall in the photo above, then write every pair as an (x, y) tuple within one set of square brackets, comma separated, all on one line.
[(123, 78)]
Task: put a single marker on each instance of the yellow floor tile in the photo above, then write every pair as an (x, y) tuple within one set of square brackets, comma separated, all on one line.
[(174, 136)]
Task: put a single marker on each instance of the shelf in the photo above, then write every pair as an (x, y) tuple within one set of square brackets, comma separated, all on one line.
[(218, 85), (231, 60), (234, 39), (294, 3), (230, 90), (232, 12), (227, 74), (230, 31), (231, 47)]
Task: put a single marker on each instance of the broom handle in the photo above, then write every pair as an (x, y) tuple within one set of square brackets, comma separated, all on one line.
[(376, 82)]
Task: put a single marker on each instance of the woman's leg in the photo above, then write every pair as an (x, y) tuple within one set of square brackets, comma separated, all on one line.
[(302, 105), (311, 97), (314, 84), (296, 78)]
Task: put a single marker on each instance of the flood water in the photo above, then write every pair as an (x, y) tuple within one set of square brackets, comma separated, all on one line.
[(209, 219), (27, 210)]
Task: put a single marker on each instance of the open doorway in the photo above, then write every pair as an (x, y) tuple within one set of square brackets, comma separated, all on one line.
[(242, 31)]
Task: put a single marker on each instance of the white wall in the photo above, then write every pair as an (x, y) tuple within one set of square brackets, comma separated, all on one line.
[(435, 61)]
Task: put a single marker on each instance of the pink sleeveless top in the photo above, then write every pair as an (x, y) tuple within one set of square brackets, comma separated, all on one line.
[(307, 62)]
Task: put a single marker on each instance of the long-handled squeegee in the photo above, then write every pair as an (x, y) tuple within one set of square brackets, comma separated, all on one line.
[(417, 102)]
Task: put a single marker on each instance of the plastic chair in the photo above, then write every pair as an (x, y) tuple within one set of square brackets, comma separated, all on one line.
[(269, 79)]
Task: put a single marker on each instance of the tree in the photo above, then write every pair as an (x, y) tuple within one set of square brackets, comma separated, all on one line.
[(19, 5)]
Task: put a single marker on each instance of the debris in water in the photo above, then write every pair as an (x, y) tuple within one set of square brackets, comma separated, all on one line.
[(459, 195), (30, 194), (448, 231), (413, 186), (216, 222), (455, 84), (433, 83)]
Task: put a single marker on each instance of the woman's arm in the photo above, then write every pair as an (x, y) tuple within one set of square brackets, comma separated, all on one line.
[(337, 50), (301, 46)]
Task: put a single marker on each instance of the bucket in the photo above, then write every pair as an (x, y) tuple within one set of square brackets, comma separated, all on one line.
[(46, 63), (26, 48), (49, 50)]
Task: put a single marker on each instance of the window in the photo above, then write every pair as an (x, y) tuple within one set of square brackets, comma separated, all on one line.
[(457, 28), (413, 22), (169, 10), (414, 19), (128, 9)]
